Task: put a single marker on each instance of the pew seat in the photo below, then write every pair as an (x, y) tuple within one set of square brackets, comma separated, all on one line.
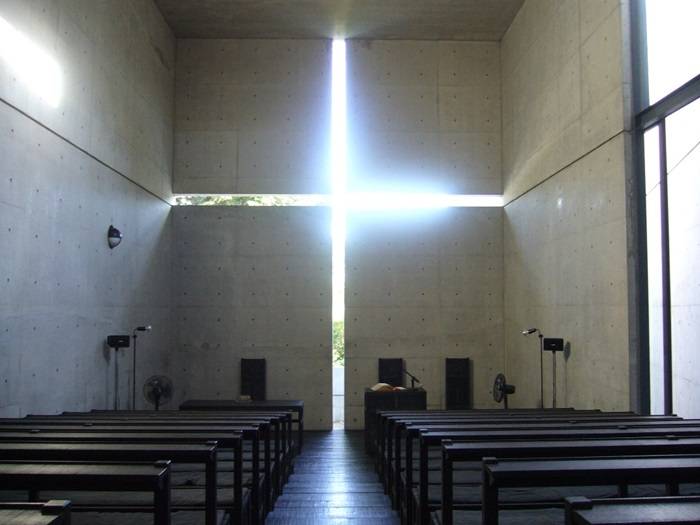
[(192, 497), (54, 512), (470, 496), (142, 518), (648, 511), (542, 516), (528, 473)]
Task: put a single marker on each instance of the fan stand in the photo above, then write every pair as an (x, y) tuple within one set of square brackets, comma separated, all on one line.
[(501, 390), (158, 390)]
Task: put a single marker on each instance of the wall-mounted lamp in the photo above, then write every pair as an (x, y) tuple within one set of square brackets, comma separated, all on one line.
[(114, 237)]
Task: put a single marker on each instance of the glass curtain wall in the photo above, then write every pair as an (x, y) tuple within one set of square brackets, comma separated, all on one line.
[(669, 122)]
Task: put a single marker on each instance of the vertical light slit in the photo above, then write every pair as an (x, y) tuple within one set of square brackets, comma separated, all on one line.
[(338, 183)]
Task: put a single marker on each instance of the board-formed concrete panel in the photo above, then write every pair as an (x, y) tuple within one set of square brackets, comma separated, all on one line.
[(254, 282), (252, 116), (563, 88), (113, 93), (404, 19), (62, 290), (566, 273), (423, 286), (424, 116), (565, 105)]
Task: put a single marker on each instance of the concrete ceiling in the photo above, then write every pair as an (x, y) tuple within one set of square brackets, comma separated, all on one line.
[(365, 19)]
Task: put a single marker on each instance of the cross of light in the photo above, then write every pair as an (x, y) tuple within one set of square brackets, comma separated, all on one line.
[(342, 200)]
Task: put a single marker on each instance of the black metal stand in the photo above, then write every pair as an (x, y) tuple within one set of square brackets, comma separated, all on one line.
[(414, 379), (554, 345), (116, 342), (133, 373), (541, 370), (116, 379)]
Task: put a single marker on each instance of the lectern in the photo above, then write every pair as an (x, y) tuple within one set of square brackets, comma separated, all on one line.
[(409, 399)]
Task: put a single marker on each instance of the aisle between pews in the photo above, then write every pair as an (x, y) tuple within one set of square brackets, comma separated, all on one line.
[(333, 483)]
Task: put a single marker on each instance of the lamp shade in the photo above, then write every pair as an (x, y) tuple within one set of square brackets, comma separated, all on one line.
[(114, 237)]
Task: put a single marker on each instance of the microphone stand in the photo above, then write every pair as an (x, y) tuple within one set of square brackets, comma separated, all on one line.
[(541, 369), (133, 373), (554, 380), (133, 364), (414, 379), (116, 379)]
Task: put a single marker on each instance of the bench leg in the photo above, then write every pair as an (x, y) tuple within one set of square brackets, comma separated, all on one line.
[(423, 485), (408, 489), (255, 489), (489, 501), (210, 492), (447, 495), (238, 483), (161, 502), (267, 482), (301, 429)]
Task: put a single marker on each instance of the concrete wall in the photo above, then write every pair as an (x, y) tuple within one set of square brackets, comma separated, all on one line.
[(112, 92), (62, 290), (423, 286), (253, 116), (565, 110), (67, 157), (566, 273), (424, 116), (254, 283), (564, 86)]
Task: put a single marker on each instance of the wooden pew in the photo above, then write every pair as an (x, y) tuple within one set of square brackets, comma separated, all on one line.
[(296, 406), (197, 453), (434, 438), (388, 422), (640, 511), (281, 423), (407, 432), (225, 439), (428, 439), (53, 512), (85, 476), (286, 416), (475, 451), (498, 474), (97, 424), (384, 417), (276, 462), (392, 426)]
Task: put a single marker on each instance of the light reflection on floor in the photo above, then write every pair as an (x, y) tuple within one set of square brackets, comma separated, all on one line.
[(334, 483)]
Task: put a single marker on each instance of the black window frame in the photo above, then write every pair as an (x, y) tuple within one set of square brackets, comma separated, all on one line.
[(646, 117)]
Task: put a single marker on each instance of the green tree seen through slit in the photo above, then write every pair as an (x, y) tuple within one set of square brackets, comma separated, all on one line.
[(233, 200), (339, 343)]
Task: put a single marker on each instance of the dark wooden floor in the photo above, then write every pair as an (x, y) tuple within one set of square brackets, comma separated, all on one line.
[(333, 483)]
